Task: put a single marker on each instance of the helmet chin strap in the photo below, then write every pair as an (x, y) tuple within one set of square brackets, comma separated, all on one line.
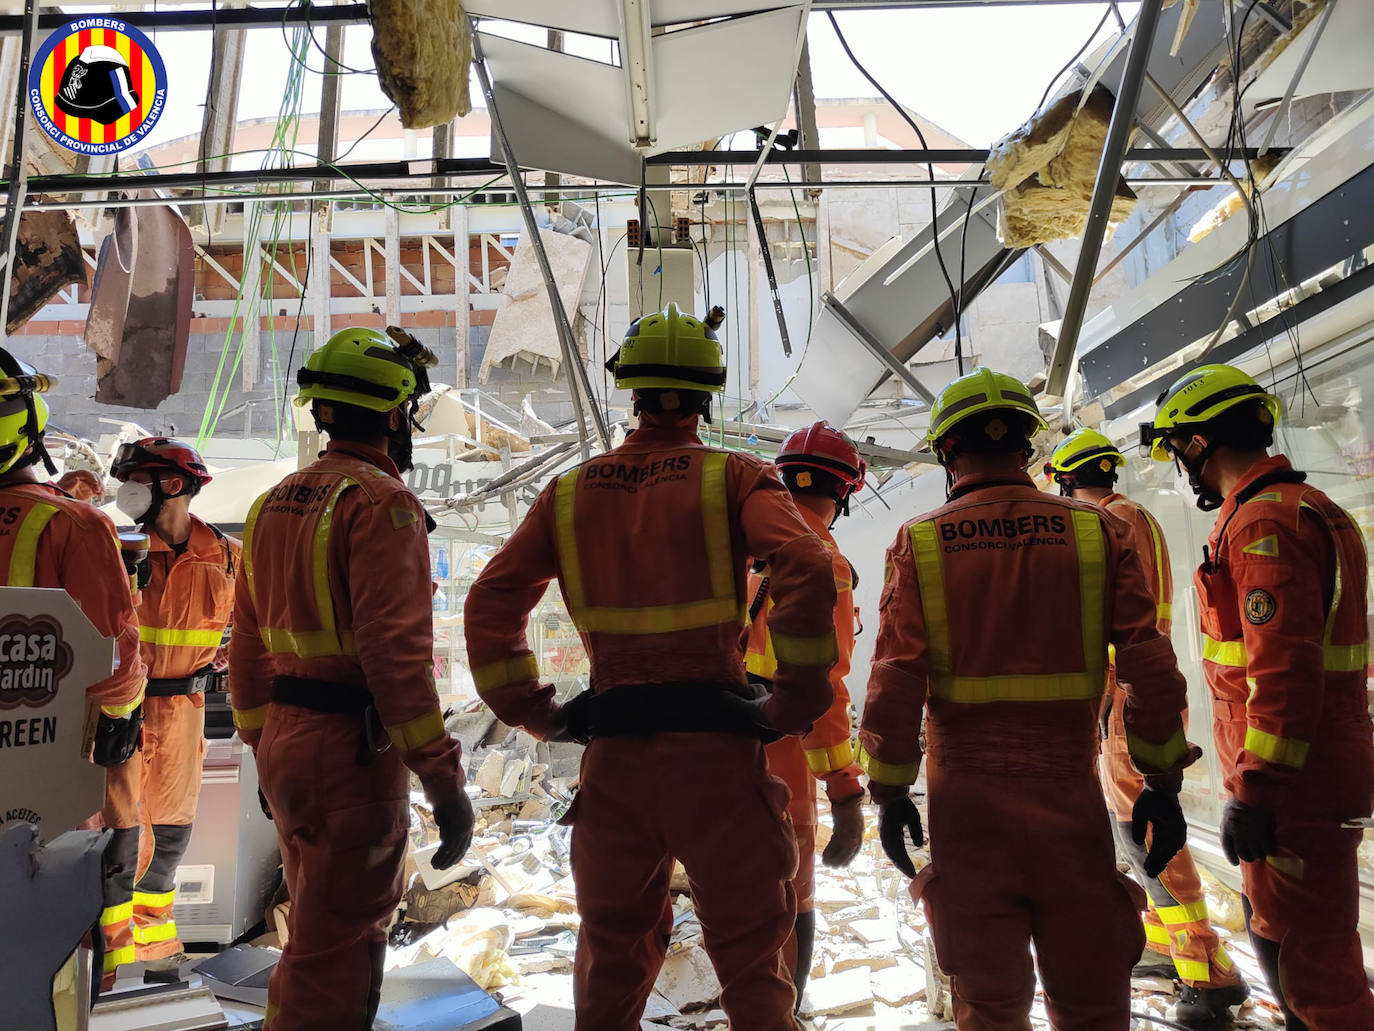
[(1207, 499)]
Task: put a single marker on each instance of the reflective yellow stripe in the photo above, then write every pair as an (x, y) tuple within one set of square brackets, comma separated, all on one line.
[(307, 644), (124, 708), (1188, 913), (270, 1013), (161, 900), (886, 773), (118, 957), (1336, 658), (715, 524), (1029, 687), (724, 606), (1346, 658), (1222, 958), (119, 914), (180, 638), (506, 671), (1165, 609), (820, 650), (251, 719), (828, 760), (1224, 653), (1156, 934), (1291, 866), (418, 732), (156, 933), (1163, 612), (763, 664), (1285, 751), (1159, 757), (1092, 591), (1193, 969), (930, 575), (24, 557)]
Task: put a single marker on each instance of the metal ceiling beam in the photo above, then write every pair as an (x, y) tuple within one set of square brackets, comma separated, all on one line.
[(327, 142), (180, 21), (1104, 192), (221, 113), (935, 155)]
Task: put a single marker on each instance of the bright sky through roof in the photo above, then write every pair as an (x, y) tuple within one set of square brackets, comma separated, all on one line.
[(976, 72)]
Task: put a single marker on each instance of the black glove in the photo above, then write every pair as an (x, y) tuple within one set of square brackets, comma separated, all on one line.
[(455, 820), (144, 572), (117, 739), (896, 819), (1247, 833), (1159, 811), (262, 804), (750, 713), (573, 719)]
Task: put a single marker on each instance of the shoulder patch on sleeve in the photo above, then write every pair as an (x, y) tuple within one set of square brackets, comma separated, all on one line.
[(1268, 546), (402, 517), (1260, 606)]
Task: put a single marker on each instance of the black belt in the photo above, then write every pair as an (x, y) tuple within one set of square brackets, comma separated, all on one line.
[(337, 699), (640, 710), (169, 687)]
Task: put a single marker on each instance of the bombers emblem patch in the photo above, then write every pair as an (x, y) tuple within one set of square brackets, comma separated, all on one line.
[(1260, 606)]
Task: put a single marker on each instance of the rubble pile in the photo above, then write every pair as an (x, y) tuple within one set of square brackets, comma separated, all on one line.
[(507, 916)]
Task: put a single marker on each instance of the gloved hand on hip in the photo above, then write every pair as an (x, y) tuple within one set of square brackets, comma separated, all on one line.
[(848, 837), (1247, 833), (117, 738), (750, 712), (896, 820), (1159, 811), (573, 719), (455, 819)]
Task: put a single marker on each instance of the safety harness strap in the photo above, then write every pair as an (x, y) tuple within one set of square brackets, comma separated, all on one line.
[(24, 557)]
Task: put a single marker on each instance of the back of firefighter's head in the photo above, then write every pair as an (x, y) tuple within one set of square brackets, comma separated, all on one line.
[(1216, 408), (983, 420), (362, 387), (821, 461), (23, 415), (1085, 459), (672, 362)]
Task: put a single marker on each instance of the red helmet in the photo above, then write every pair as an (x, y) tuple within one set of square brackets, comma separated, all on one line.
[(821, 446), (154, 454)]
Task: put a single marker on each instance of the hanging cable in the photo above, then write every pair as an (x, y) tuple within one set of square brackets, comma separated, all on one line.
[(930, 169), (1075, 59)]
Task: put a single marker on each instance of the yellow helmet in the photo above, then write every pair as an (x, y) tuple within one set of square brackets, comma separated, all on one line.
[(23, 413), (1081, 447), (669, 350), (363, 367), (982, 390), (1200, 397)]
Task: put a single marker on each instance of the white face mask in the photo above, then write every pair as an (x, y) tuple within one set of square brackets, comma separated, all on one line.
[(134, 499)]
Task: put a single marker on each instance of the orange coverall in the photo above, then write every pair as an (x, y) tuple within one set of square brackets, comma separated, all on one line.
[(49, 539), (1286, 651), (996, 613), (336, 591), (648, 543), (826, 752), (182, 614), (1176, 924)]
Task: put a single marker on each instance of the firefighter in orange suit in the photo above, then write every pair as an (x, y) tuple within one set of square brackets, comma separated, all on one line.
[(49, 539), (821, 468), (1176, 926), (331, 679), (996, 614), (649, 543), (183, 610), (1282, 589)]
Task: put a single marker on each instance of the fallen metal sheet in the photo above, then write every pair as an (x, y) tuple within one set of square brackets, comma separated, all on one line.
[(437, 996), (47, 257), (140, 315), (49, 897)]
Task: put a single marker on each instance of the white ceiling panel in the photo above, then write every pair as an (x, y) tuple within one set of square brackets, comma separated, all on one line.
[(602, 17), (1340, 62), (567, 114)]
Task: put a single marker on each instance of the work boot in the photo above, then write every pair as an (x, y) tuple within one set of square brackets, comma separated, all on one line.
[(1207, 1007), (1154, 964)]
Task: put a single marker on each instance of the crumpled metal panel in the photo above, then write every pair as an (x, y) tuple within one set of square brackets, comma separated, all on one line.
[(140, 315), (47, 257)]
